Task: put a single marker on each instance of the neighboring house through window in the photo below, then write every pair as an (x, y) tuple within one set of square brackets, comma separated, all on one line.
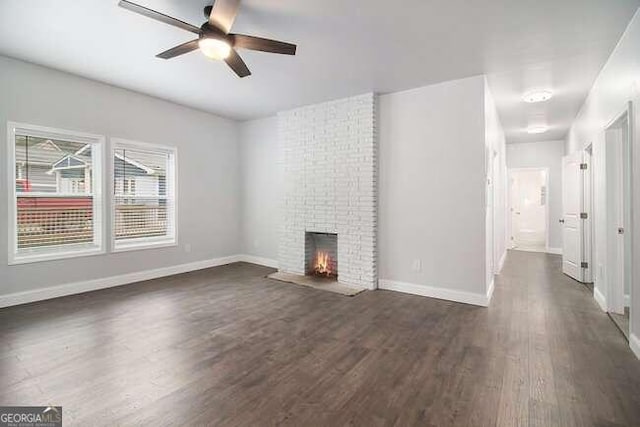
[(56, 202), (129, 186)]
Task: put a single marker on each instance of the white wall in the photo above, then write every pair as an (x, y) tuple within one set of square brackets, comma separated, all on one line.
[(432, 187), (208, 183), (431, 199), (544, 154), (261, 166), (618, 83)]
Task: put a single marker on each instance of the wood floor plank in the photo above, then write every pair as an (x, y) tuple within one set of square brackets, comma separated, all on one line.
[(228, 347)]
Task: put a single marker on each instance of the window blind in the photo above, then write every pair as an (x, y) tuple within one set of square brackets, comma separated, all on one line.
[(54, 197), (143, 196)]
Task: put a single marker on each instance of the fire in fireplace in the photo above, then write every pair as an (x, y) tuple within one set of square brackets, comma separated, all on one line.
[(322, 264), (321, 253)]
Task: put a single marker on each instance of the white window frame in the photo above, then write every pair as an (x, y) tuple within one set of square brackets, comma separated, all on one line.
[(55, 252), (171, 239)]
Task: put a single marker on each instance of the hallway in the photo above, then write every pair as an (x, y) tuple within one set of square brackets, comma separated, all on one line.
[(565, 358), (226, 346)]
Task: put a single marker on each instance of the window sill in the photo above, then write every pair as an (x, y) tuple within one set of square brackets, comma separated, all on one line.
[(142, 245), (42, 256)]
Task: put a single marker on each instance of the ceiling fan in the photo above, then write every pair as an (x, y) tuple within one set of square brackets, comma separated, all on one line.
[(214, 39)]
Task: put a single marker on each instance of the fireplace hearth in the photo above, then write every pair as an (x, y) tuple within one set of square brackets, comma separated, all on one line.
[(321, 255)]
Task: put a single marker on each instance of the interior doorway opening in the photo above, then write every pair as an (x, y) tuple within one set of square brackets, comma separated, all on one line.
[(618, 219), (529, 209)]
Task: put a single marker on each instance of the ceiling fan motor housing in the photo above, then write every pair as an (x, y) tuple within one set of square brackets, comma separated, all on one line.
[(208, 31), (207, 11)]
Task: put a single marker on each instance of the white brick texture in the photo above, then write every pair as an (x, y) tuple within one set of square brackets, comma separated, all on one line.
[(330, 172)]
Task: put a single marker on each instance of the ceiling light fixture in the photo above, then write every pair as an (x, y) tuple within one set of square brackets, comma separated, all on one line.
[(215, 48), (537, 129), (537, 96)]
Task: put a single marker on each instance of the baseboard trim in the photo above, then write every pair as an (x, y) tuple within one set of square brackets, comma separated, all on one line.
[(492, 286), (25, 297), (439, 293), (627, 300), (600, 299), (267, 262), (503, 258), (634, 343), (552, 251)]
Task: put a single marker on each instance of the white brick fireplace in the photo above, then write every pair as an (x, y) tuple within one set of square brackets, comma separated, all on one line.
[(330, 173)]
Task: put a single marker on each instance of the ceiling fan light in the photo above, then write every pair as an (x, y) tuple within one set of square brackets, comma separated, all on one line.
[(214, 48), (537, 96)]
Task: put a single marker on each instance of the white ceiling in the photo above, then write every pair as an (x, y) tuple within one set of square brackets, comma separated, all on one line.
[(344, 48)]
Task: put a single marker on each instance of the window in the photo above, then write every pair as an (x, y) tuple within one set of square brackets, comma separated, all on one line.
[(55, 200), (129, 186), (143, 195)]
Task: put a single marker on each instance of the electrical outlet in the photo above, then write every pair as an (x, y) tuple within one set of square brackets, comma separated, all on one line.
[(417, 265), (187, 247)]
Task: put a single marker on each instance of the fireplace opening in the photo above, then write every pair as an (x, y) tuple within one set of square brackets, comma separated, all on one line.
[(321, 255)]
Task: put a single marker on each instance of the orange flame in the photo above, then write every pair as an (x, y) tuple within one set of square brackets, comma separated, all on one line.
[(323, 263)]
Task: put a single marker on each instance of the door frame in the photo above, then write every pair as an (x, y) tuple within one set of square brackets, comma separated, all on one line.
[(588, 230), (510, 172), (623, 267)]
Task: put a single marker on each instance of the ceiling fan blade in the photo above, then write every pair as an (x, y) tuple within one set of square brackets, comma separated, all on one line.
[(179, 50), (223, 14), (149, 13), (263, 45), (237, 64)]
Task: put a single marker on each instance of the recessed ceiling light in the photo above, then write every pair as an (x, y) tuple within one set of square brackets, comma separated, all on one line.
[(537, 96), (537, 129)]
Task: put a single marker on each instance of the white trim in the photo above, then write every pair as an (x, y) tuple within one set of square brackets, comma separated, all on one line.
[(53, 133), (503, 258), (634, 343), (251, 259), (109, 282), (600, 299), (62, 252), (540, 251), (619, 265), (627, 300), (98, 143), (435, 292), (490, 290), (143, 244), (553, 251), (588, 229)]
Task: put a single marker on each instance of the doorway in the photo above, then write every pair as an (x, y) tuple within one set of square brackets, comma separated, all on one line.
[(529, 209), (618, 219)]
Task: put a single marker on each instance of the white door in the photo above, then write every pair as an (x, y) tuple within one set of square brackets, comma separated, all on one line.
[(529, 209), (572, 223)]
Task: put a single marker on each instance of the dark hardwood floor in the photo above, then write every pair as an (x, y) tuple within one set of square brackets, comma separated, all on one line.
[(228, 347)]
